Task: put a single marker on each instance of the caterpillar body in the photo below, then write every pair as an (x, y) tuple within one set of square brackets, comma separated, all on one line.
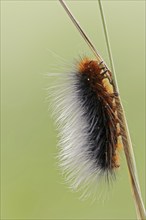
[(91, 134)]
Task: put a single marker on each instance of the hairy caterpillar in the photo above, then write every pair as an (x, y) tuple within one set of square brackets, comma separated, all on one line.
[(88, 114)]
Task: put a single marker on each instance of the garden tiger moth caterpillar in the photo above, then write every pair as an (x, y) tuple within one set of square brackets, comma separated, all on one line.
[(91, 136)]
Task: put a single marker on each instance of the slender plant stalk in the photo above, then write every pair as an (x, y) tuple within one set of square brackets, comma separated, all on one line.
[(128, 149)]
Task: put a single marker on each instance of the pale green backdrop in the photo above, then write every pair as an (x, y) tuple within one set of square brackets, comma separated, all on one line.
[(32, 187)]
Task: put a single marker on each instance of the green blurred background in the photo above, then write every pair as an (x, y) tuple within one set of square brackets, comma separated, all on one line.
[(31, 183)]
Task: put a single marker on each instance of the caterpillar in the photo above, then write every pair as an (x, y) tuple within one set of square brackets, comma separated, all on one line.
[(88, 114)]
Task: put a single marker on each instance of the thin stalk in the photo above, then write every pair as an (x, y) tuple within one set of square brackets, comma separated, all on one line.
[(128, 149)]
